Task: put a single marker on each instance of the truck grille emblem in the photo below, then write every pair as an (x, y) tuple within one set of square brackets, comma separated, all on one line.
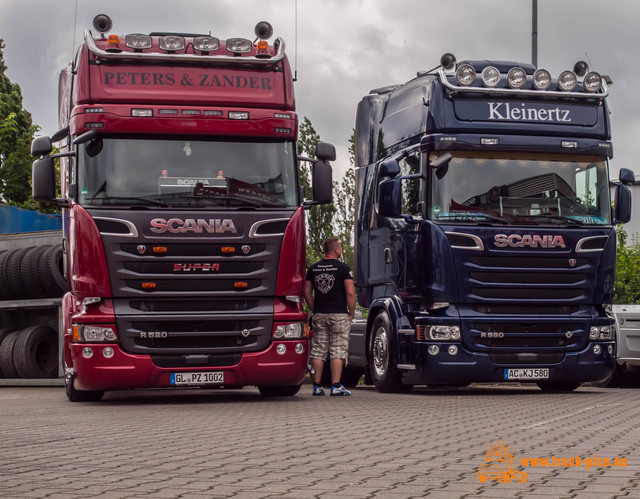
[(245, 249), (572, 262), (141, 249), (245, 333)]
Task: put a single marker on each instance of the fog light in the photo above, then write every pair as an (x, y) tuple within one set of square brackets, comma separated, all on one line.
[(452, 349), (299, 348), (281, 349), (433, 349), (107, 352), (597, 349), (87, 352)]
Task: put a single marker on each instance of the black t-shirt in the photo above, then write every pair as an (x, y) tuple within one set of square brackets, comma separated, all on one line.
[(327, 278)]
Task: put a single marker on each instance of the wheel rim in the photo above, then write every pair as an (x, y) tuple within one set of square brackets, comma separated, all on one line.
[(380, 352)]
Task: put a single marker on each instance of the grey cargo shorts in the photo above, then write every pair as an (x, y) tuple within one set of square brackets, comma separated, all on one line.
[(330, 335)]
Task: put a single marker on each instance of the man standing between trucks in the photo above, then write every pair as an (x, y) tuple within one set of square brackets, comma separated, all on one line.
[(331, 296)]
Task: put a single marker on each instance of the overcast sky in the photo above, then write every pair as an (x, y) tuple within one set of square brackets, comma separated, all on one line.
[(347, 47)]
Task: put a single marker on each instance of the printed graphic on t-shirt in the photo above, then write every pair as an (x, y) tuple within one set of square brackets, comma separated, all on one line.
[(324, 282)]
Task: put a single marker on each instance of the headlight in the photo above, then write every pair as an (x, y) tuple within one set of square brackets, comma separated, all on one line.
[(239, 45), (541, 79), (592, 82), (137, 41), (171, 43), (490, 76), (206, 43), (94, 334), (444, 333), (516, 77), (567, 80), (601, 333), (290, 331), (465, 75)]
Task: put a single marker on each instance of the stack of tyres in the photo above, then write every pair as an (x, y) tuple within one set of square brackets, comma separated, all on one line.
[(29, 353), (31, 273)]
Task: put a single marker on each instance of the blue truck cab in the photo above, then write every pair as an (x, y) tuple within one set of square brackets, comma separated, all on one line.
[(485, 242)]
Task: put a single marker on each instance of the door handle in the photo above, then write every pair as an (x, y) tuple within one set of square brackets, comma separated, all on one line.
[(387, 255)]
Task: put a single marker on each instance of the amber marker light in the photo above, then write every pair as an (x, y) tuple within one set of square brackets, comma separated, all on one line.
[(240, 285), (228, 250), (113, 44), (148, 285), (160, 249)]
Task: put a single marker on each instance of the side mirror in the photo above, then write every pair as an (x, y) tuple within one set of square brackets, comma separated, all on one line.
[(441, 165), (43, 177), (322, 187), (626, 176), (325, 151), (389, 168), (41, 146), (389, 198), (623, 204)]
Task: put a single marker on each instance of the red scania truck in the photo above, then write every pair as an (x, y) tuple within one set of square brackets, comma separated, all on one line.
[(183, 213)]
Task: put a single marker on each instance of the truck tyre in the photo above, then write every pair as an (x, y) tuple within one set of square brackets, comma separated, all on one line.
[(35, 352), (74, 395), (29, 272), (7, 365), (3, 333), (279, 391), (4, 286), (557, 386), (17, 289), (384, 372), (52, 273), (617, 379), (351, 376)]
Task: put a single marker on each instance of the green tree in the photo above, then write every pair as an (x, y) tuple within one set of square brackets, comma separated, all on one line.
[(319, 218), (344, 200), (627, 283), (16, 133)]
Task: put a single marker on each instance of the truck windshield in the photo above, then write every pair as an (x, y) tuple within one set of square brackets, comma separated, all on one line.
[(509, 188), (187, 172)]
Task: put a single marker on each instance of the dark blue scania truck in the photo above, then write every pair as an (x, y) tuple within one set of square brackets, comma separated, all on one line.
[(485, 241)]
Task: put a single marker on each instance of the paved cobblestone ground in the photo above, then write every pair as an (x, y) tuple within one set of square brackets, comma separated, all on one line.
[(211, 443)]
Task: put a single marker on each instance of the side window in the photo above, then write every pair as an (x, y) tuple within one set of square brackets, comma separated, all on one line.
[(411, 188)]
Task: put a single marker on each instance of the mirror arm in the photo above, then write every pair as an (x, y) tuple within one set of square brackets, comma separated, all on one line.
[(304, 158)]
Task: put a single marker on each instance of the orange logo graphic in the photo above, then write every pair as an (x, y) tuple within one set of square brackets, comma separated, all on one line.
[(499, 464)]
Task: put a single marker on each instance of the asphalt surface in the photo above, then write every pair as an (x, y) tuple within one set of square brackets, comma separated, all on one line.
[(212, 443)]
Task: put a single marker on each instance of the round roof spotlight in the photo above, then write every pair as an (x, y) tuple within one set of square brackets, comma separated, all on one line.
[(580, 68), (263, 30), (490, 76), (542, 79), (465, 75), (516, 77), (102, 23), (567, 80), (448, 61), (592, 82)]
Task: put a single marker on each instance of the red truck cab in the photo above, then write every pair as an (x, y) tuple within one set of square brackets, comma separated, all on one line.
[(183, 213)]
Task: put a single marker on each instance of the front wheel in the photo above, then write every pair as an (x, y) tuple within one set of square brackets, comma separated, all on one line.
[(279, 391), (75, 395), (386, 376), (556, 386)]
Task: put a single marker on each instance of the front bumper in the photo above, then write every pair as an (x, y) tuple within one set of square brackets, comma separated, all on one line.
[(124, 370), (467, 367)]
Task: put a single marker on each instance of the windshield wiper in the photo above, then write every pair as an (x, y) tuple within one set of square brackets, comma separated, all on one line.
[(559, 218), (472, 217), (109, 200)]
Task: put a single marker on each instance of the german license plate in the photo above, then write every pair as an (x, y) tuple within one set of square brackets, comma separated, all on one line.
[(197, 378), (527, 374)]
